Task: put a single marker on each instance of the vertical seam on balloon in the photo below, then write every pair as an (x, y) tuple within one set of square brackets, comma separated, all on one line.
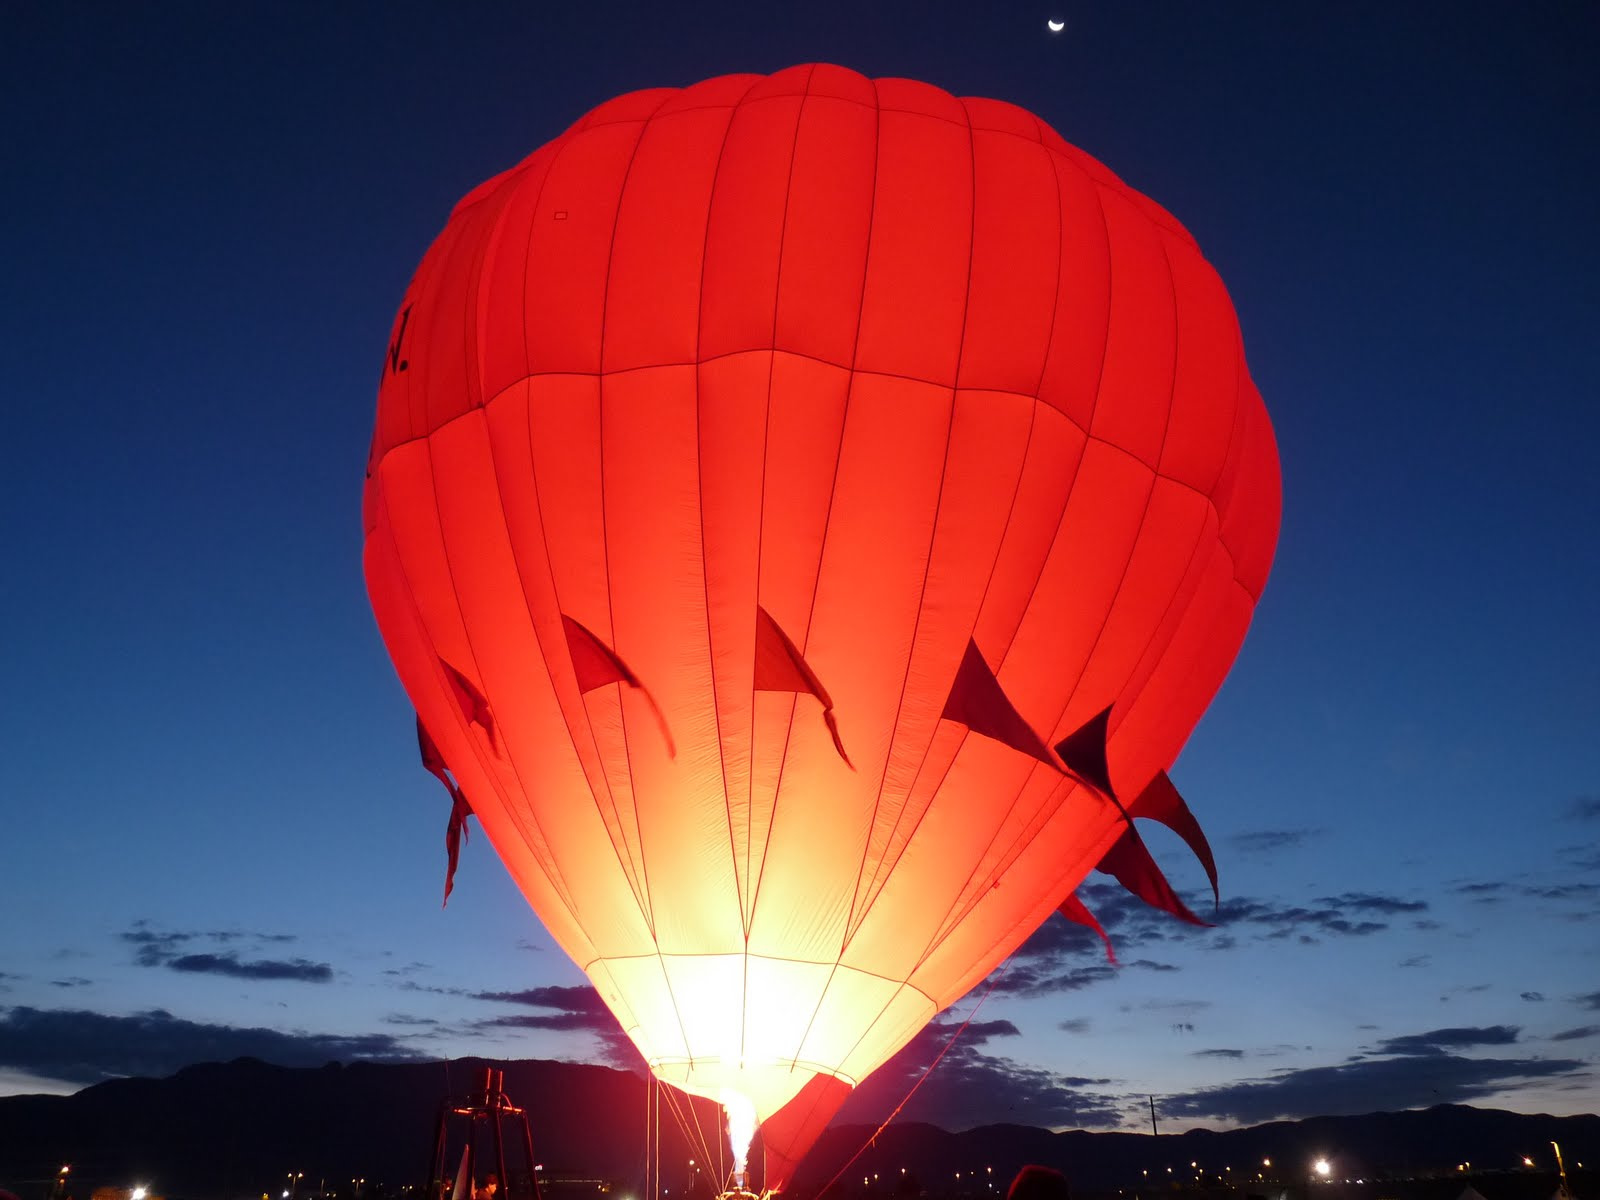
[(634, 870), (1060, 160), (631, 868), (549, 868), (559, 148), (822, 549), (852, 925), (539, 642), (1033, 418), (1133, 547), (1055, 299), (605, 302), (1149, 500), (1016, 491), (416, 383), (510, 809), (705, 583), (747, 914), (966, 732), (964, 904), (1218, 541), (1218, 544)]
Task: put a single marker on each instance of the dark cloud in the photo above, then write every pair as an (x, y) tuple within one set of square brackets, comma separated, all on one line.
[(581, 998), (1533, 996), (1367, 902), (301, 969), (71, 982), (1218, 1053), (1592, 1000), (1483, 891), (1267, 841), (1584, 808), (1367, 1085), (406, 1019), (1438, 1040), (969, 1087), (568, 1010), (1043, 974), (1062, 956), (1572, 1035), (1564, 891), (1074, 1025), (1350, 914), (85, 1047), (1416, 960), (177, 951)]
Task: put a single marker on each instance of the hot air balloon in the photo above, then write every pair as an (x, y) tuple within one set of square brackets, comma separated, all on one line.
[(808, 514)]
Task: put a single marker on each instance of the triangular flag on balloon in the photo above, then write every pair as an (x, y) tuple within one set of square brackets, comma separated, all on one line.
[(1161, 802), (1084, 752), (780, 667), (1129, 863), (597, 664), (474, 707), (978, 701), (1076, 911), (460, 810)]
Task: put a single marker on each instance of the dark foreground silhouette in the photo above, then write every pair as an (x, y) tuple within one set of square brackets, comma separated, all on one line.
[(237, 1130)]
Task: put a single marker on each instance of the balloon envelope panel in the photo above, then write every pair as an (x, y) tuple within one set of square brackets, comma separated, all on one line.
[(893, 374)]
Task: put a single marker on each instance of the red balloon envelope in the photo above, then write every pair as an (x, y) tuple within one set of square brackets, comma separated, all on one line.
[(765, 474)]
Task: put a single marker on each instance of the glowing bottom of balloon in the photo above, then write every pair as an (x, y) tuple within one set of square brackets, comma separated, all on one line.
[(759, 1027)]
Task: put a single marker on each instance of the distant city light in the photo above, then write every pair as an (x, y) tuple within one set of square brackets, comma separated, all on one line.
[(139, 1193)]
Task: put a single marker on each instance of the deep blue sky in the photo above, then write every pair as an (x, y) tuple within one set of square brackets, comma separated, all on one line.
[(217, 838)]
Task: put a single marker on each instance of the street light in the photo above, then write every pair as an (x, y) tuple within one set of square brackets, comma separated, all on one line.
[(1322, 1168)]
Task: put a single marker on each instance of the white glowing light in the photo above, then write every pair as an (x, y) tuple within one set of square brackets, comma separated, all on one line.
[(1323, 1168), (741, 1128), (139, 1193), (1055, 26)]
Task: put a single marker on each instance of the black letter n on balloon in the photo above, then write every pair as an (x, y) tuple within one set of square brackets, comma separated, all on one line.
[(396, 363)]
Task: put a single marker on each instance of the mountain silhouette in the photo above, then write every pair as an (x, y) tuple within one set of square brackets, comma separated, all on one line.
[(229, 1131)]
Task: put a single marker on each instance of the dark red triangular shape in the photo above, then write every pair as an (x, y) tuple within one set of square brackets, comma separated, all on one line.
[(460, 810), (978, 701), (597, 664), (1076, 911), (474, 706), (1084, 752), (780, 667), (1129, 863), (1161, 802)]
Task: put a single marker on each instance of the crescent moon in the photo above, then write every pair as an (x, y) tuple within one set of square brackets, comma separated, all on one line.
[(1055, 26)]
